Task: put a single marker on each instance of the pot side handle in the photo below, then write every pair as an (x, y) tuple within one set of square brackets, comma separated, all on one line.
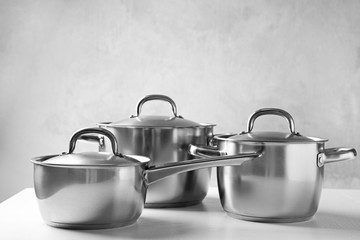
[(331, 155), (204, 151)]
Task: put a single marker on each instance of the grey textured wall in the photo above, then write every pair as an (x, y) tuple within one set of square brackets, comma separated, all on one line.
[(65, 65)]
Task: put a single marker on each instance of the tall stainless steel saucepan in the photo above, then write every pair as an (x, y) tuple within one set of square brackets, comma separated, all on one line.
[(164, 139), (284, 183), (93, 190)]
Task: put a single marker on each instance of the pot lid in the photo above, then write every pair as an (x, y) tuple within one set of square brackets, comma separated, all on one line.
[(138, 120), (290, 137), (155, 122), (274, 137), (95, 159)]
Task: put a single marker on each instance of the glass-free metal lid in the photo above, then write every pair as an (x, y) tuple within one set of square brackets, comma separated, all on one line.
[(286, 137), (155, 121), (93, 159), (275, 137), (175, 121)]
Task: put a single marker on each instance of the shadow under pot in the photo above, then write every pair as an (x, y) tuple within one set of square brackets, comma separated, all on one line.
[(164, 139), (95, 190), (284, 183)]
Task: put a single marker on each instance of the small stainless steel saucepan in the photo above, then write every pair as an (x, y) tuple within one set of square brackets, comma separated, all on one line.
[(284, 183), (93, 190)]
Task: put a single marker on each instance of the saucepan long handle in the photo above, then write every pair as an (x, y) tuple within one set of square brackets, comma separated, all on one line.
[(155, 173)]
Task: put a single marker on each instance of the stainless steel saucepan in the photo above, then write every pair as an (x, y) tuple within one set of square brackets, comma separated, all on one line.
[(284, 183), (164, 139), (93, 190)]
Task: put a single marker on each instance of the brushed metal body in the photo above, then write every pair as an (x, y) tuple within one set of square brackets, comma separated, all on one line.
[(166, 145), (89, 198), (165, 140), (282, 185)]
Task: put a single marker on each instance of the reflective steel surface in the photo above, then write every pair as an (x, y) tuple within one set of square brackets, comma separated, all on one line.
[(165, 139), (282, 185), (168, 145), (89, 198), (90, 190)]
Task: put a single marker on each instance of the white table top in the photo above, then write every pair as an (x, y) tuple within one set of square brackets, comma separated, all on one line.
[(338, 217)]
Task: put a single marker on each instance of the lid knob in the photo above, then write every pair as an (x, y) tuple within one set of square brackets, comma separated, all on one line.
[(156, 97), (271, 111), (102, 131)]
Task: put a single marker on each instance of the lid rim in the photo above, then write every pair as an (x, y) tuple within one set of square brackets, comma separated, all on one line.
[(200, 125), (154, 121), (155, 127), (274, 137), (65, 160), (278, 141), (100, 166)]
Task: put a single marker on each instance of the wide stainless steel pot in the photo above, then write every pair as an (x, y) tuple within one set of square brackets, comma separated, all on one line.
[(93, 190), (284, 183), (165, 139)]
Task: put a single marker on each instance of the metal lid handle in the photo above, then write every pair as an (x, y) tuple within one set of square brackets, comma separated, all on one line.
[(156, 97), (101, 131), (271, 111)]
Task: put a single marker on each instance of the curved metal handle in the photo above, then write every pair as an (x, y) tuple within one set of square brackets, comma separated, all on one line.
[(157, 172), (331, 155), (101, 131), (271, 111), (156, 97), (204, 151), (94, 138)]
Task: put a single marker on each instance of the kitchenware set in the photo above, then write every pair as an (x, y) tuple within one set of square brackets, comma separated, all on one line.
[(162, 161)]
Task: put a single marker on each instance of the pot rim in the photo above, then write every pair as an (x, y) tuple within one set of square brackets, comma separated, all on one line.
[(228, 137), (136, 160), (111, 124)]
